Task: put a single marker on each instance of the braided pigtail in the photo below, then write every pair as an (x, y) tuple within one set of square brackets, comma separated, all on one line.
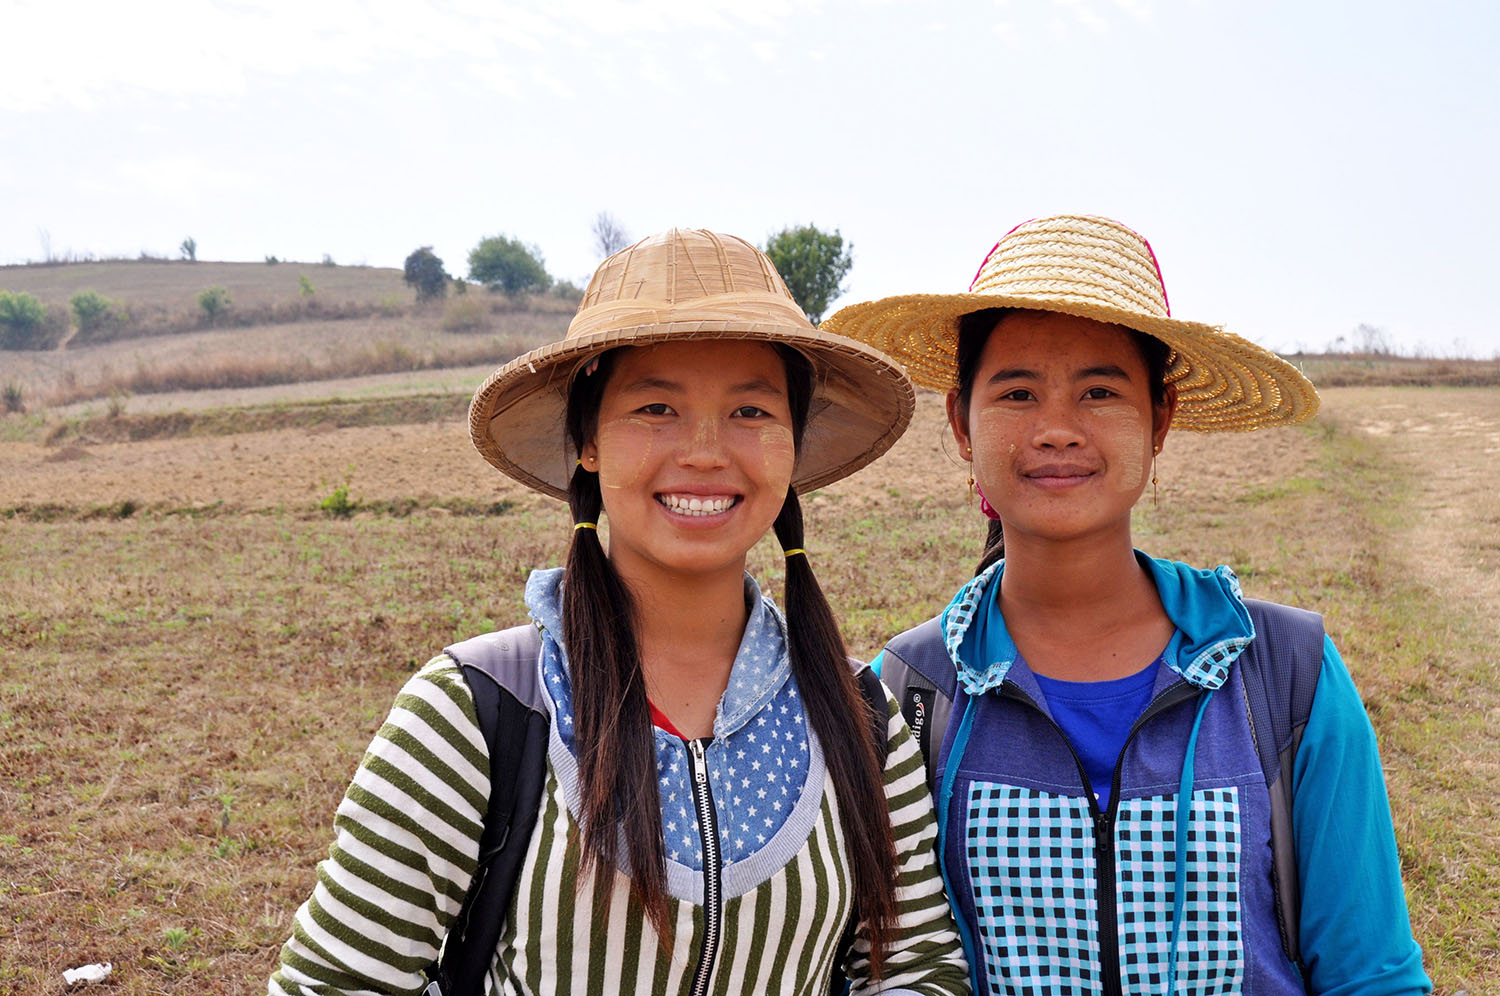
[(612, 719), (840, 716)]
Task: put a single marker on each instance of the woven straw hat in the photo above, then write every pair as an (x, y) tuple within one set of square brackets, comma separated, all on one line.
[(676, 286), (1093, 268)]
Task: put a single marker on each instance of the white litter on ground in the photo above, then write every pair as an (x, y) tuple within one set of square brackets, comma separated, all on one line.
[(87, 973)]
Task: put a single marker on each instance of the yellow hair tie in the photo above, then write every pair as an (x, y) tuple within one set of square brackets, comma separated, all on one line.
[(793, 552), (585, 525)]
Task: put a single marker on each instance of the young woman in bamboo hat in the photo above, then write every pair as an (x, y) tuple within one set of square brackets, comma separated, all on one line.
[(714, 806), (1145, 782)]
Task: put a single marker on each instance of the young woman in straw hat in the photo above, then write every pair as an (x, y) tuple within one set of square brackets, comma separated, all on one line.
[(714, 808), (1095, 690)]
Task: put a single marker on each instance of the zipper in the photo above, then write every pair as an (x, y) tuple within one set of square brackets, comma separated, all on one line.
[(708, 832), (1104, 825)]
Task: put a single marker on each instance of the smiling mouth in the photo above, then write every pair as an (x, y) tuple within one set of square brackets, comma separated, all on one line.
[(1058, 474), (697, 505)]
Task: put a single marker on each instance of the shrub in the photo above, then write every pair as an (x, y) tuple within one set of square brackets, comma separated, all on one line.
[(305, 286), (568, 291), (21, 315), (464, 314), (508, 265), (27, 323), (13, 397), (91, 310), (328, 260), (272, 260), (189, 249), (424, 271), (214, 303), (338, 504)]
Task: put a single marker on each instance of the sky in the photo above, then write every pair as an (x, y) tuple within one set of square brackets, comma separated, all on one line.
[(1300, 168)]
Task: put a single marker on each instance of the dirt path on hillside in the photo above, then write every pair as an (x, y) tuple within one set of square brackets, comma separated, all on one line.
[(1449, 438)]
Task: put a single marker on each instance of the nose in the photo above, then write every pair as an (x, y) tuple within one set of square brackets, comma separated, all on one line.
[(703, 445), (1056, 428)]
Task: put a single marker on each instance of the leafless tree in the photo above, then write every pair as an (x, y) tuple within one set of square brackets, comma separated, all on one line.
[(609, 235)]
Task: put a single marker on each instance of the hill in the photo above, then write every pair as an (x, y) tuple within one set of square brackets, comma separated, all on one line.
[(283, 324)]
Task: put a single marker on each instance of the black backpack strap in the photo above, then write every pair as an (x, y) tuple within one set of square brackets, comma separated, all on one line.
[(501, 670), (1279, 671), (916, 666), (873, 690)]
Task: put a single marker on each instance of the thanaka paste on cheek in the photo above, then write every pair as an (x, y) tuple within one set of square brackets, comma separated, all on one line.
[(625, 449), (778, 454), (1126, 429)]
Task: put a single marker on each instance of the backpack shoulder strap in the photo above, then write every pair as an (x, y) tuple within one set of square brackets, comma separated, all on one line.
[(919, 671), (873, 690), (501, 671), (1279, 671)]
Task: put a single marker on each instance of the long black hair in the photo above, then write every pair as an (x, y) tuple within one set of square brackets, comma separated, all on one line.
[(974, 332), (617, 758)]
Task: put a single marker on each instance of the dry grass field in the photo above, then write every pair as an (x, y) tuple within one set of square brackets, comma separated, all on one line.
[(198, 635), (223, 550)]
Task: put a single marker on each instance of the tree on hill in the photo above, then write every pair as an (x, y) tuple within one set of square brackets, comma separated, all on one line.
[(813, 264), (424, 271), (609, 235), (189, 249), (508, 265)]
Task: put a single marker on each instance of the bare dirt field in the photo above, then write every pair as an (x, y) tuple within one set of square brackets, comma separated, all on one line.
[(193, 652), (295, 468)]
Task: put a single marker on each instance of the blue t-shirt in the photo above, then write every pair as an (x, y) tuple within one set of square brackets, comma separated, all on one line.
[(1096, 717)]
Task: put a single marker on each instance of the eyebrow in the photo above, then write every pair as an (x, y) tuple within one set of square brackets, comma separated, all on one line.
[(756, 385), (1109, 370)]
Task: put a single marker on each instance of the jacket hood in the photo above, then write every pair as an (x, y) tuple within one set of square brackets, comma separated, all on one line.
[(760, 667), (1206, 606)]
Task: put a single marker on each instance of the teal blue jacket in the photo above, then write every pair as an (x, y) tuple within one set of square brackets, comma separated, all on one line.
[(1026, 852)]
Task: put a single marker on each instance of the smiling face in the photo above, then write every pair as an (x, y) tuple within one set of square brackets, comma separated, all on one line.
[(694, 451), (1061, 425)]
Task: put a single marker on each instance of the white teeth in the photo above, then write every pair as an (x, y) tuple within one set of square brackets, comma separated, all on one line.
[(688, 505)]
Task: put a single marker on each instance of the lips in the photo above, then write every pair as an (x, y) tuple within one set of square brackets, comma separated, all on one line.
[(697, 506), (1058, 474)]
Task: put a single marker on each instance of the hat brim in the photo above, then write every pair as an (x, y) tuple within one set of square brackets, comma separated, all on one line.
[(861, 401), (1224, 383)]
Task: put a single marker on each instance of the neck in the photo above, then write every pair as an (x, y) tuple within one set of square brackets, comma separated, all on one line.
[(688, 629), (1081, 610), (1070, 578)]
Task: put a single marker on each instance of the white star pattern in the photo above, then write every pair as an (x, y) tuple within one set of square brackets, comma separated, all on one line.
[(761, 707)]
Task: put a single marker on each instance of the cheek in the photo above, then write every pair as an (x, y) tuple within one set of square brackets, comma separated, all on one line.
[(626, 447), (1129, 438), (778, 454), (993, 433)]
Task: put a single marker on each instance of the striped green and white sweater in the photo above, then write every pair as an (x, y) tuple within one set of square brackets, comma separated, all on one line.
[(406, 844)]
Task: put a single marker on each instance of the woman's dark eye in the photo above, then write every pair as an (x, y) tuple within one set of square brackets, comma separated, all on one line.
[(1099, 393), (749, 411), (1019, 394), (657, 409)]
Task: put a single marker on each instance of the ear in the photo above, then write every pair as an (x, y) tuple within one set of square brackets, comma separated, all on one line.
[(1161, 418), (958, 421), (590, 455)]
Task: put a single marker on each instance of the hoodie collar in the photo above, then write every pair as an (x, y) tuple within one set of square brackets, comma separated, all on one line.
[(761, 665), (1206, 606)]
